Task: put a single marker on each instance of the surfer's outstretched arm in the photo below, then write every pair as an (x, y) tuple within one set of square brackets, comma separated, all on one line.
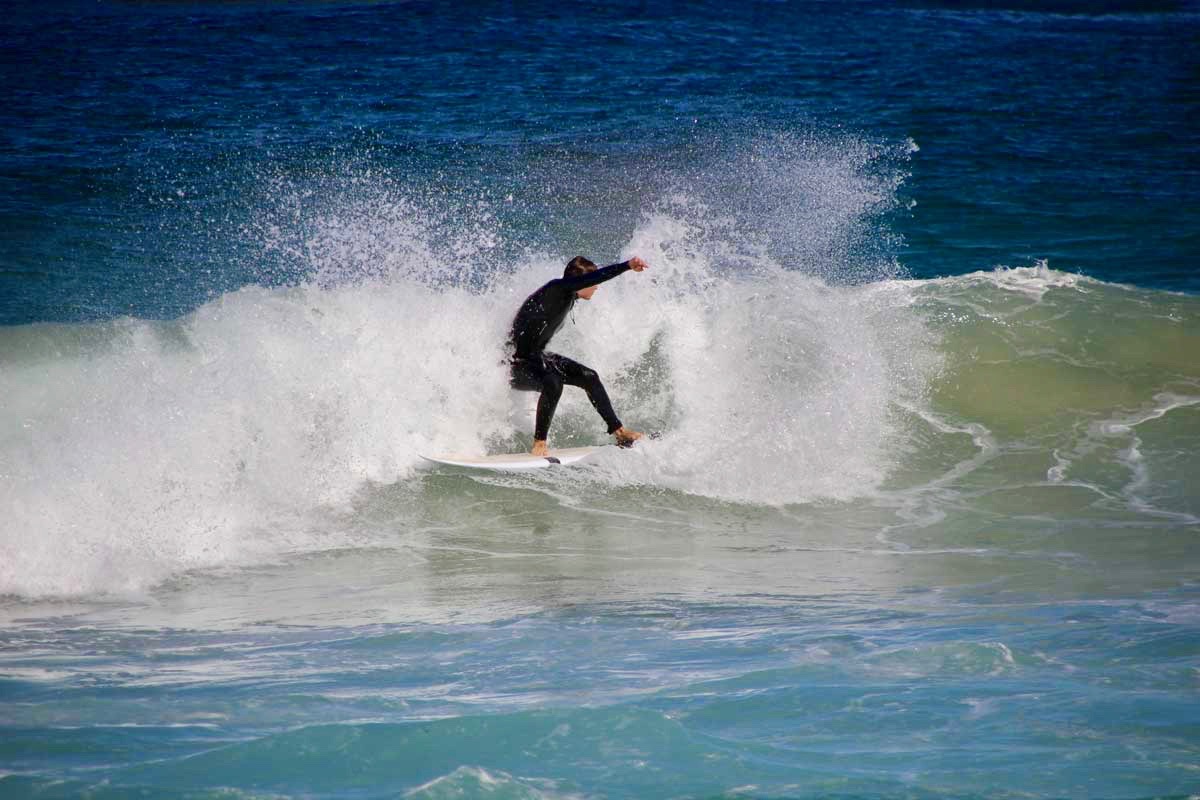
[(598, 276), (575, 283)]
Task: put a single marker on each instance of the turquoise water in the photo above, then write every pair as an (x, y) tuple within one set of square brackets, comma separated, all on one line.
[(920, 334)]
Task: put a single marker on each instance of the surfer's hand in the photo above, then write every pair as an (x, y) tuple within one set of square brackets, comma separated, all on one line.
[(636, 264)]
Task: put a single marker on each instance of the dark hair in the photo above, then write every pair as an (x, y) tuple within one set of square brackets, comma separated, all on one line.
[(578, 266)]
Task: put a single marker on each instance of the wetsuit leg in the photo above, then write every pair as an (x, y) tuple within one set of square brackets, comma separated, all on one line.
[(535, 375), (575, 374), (547, 375)]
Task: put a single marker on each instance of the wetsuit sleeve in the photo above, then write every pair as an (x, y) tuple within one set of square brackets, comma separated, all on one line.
[(577, 282)]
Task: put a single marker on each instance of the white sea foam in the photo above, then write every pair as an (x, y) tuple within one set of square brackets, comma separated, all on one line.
[(179, 446), (791, 380), (134, 451)]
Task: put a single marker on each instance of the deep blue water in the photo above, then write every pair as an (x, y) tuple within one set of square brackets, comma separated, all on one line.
[(921, 334), (136, 137)]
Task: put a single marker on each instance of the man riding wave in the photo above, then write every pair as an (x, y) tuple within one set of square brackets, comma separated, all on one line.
[(536, 369)]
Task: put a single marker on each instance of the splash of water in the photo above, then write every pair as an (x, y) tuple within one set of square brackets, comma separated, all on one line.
[(138, 450)]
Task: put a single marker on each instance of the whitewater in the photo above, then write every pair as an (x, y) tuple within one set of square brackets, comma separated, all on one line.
[(138, 450)]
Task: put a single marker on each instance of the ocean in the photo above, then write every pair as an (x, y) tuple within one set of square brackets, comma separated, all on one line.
[(920, 336)]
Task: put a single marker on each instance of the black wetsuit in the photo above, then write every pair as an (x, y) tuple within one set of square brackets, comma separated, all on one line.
[(536, 370)]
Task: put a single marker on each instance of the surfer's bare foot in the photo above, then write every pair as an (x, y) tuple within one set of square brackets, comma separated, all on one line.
[(626, 437), (539, 448)]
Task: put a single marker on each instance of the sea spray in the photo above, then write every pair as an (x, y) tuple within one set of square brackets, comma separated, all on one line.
[(189, 444), (778, 387), (141, 449)]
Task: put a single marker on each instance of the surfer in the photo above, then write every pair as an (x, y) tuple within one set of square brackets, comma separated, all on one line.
[(535, 369)]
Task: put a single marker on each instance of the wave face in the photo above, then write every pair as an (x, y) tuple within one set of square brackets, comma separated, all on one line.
[(1094, 384)]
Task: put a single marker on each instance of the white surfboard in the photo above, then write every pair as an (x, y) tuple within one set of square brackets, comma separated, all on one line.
[(516, 462)]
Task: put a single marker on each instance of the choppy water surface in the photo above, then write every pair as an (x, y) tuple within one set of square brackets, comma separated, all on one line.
[(917, 335)]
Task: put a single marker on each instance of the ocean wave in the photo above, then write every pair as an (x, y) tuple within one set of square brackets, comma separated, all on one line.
[(133, 451)]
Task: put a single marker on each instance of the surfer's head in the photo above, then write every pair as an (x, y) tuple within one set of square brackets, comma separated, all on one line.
[(580, 266)]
